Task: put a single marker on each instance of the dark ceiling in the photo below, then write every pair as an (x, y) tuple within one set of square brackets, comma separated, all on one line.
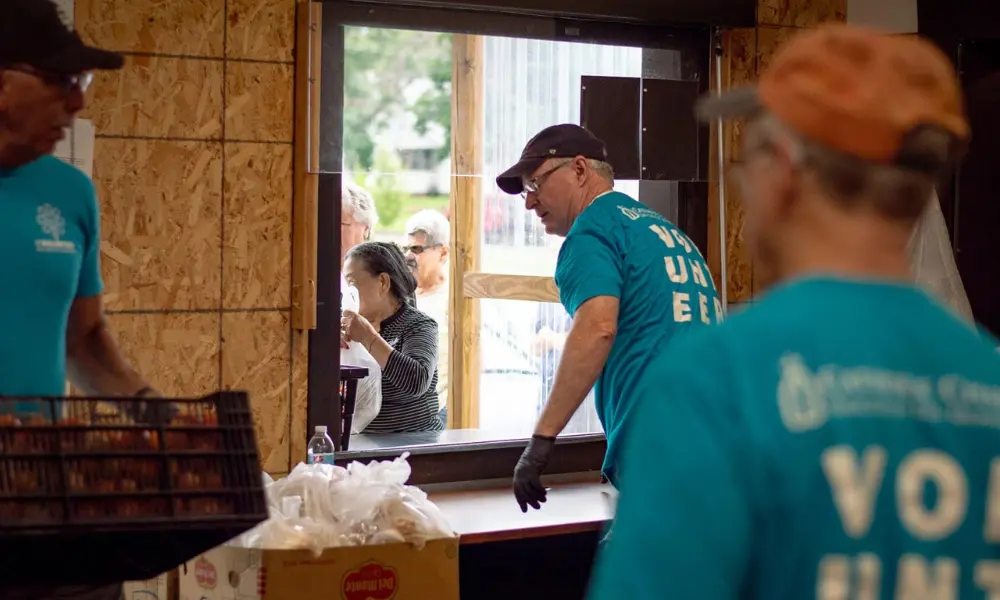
[(724, 13)]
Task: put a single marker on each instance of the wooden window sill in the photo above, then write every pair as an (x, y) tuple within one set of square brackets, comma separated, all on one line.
[(483, 516)]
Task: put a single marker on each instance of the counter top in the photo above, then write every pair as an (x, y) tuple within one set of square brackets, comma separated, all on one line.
[(450, 440), (493, 515)]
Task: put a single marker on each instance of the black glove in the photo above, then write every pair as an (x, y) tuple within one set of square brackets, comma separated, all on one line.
[(155, 411), (527, 474)]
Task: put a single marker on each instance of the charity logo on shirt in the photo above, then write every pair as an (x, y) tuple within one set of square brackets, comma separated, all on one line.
[(808, 399), (50, 220), (634, 213), (933, 496)]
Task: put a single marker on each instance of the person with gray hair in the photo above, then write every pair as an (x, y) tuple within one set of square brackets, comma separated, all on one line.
[(839, 437), (358, 217), (428, 234)]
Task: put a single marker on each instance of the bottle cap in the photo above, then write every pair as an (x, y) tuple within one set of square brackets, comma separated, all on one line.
[(321, 429)]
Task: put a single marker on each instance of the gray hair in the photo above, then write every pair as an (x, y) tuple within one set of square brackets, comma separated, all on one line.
[(432, 224), (360, 203), (894, 192), (603, 169)]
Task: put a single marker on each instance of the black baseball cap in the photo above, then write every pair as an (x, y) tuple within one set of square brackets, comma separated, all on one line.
[(558, 141), (33, 33)]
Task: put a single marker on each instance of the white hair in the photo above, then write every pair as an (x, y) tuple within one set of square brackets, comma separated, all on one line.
[(894, 192), (603, 169), (360, 203), (432, 224)]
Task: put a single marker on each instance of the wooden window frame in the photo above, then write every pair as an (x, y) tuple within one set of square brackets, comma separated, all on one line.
[(468, 285)]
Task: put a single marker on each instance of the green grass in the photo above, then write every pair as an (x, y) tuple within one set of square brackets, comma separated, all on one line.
[(411, 206)]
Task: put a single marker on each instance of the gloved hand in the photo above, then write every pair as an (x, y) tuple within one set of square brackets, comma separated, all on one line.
[(527, 474), (155, 411)]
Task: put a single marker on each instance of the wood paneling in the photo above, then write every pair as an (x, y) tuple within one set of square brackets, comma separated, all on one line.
[(256, 356), (305, 184), (153, 26), (178, 352), (769, 41), (193, 218), (257, 252), (746, 53), (466, 225), (510, 287), (160, 207), (800, 13), (159, 97), (261, 30), (742, 71), (300, 388), (738, 69), (259, 101)]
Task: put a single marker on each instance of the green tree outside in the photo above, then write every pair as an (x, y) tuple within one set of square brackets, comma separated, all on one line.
[(381, 184), (379, 64)]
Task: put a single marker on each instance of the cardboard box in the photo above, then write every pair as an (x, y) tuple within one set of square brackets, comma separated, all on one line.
[(386, 572), (151, 589)]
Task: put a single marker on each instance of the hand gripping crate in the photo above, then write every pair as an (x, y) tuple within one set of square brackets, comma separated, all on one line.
[(100, 490)]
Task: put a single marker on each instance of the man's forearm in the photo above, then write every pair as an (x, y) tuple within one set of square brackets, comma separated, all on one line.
[(97, 367), (582, 361)]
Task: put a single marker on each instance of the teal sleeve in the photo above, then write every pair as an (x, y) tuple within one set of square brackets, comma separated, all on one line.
[(590, 265), (90, 283), (683, 524), (987, 335)]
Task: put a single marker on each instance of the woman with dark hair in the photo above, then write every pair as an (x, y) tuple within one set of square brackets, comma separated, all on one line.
[(402, 339)]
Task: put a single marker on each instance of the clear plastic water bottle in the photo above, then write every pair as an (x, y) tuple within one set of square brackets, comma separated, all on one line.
[(320, 448)]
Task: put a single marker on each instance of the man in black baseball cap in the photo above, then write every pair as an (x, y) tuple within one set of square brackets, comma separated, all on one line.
[(629, 278), (51, 310), (557, 141), (32, 32)]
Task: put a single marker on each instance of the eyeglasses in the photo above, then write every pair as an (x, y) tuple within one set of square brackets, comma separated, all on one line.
[(65, 83), (535, 184), (418, 249)]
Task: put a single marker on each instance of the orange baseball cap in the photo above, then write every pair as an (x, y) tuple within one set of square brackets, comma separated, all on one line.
[(857, 90)]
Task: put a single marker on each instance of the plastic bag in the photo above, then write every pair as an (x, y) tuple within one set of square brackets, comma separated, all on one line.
[(368, 397), (933, 262), (350, 298), (322, 506)]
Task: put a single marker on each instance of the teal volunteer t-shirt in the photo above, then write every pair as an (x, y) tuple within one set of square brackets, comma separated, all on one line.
[(49, 241), (839, 439), (619, 247)]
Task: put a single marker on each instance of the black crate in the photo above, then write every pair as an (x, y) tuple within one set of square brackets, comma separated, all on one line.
[(95, 490)]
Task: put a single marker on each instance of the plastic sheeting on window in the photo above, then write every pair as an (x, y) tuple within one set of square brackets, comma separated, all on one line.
[(933, 262)]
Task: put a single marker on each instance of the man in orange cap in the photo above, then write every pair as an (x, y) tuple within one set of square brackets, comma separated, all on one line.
[(838, 439)]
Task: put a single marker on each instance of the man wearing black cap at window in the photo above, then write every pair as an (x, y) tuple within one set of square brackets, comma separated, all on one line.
[(631, 280), (51, 313)]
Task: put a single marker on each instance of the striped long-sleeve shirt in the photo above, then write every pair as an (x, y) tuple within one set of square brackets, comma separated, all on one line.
[(409, 379)]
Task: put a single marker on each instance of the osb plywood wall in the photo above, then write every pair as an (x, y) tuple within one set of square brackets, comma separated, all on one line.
[(746, 53), (193, 169)]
